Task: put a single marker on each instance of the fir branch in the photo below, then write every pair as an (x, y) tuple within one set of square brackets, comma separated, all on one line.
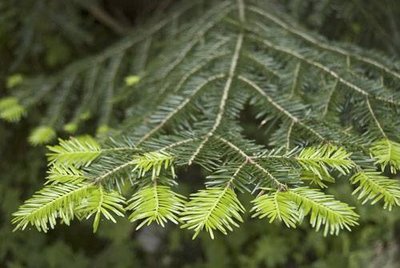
[(293, 118), (101, 202), (181, 106), (224, 97), (60, 173), (386, 153), (215, 208), (275, 206), (50, 203), (144, 163), (155, 203), (186, 106), (373, 187), (319, 158), (324, 210), (80, 151), (154, 162), (251, 161), (302, 34), (317, 178), (324, 69), (224, 8)]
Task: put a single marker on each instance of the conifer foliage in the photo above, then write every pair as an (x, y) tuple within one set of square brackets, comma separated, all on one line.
[(333, 110)]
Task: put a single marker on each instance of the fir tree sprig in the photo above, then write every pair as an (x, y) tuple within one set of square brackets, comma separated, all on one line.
[(324, 104), (212, 209), (387, 153), (155, 203), (373, 186), (79, 151)]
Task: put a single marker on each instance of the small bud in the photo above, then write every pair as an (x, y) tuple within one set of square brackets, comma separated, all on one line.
[(11, 110), (14, 80), (42, 135), (103, 129), (71, 127), (132, 80)]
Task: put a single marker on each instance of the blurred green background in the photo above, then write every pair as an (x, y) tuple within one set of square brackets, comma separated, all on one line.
[(39, 36)]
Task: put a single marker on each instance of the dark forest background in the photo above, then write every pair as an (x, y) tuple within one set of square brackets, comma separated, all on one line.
[(38, 37)]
